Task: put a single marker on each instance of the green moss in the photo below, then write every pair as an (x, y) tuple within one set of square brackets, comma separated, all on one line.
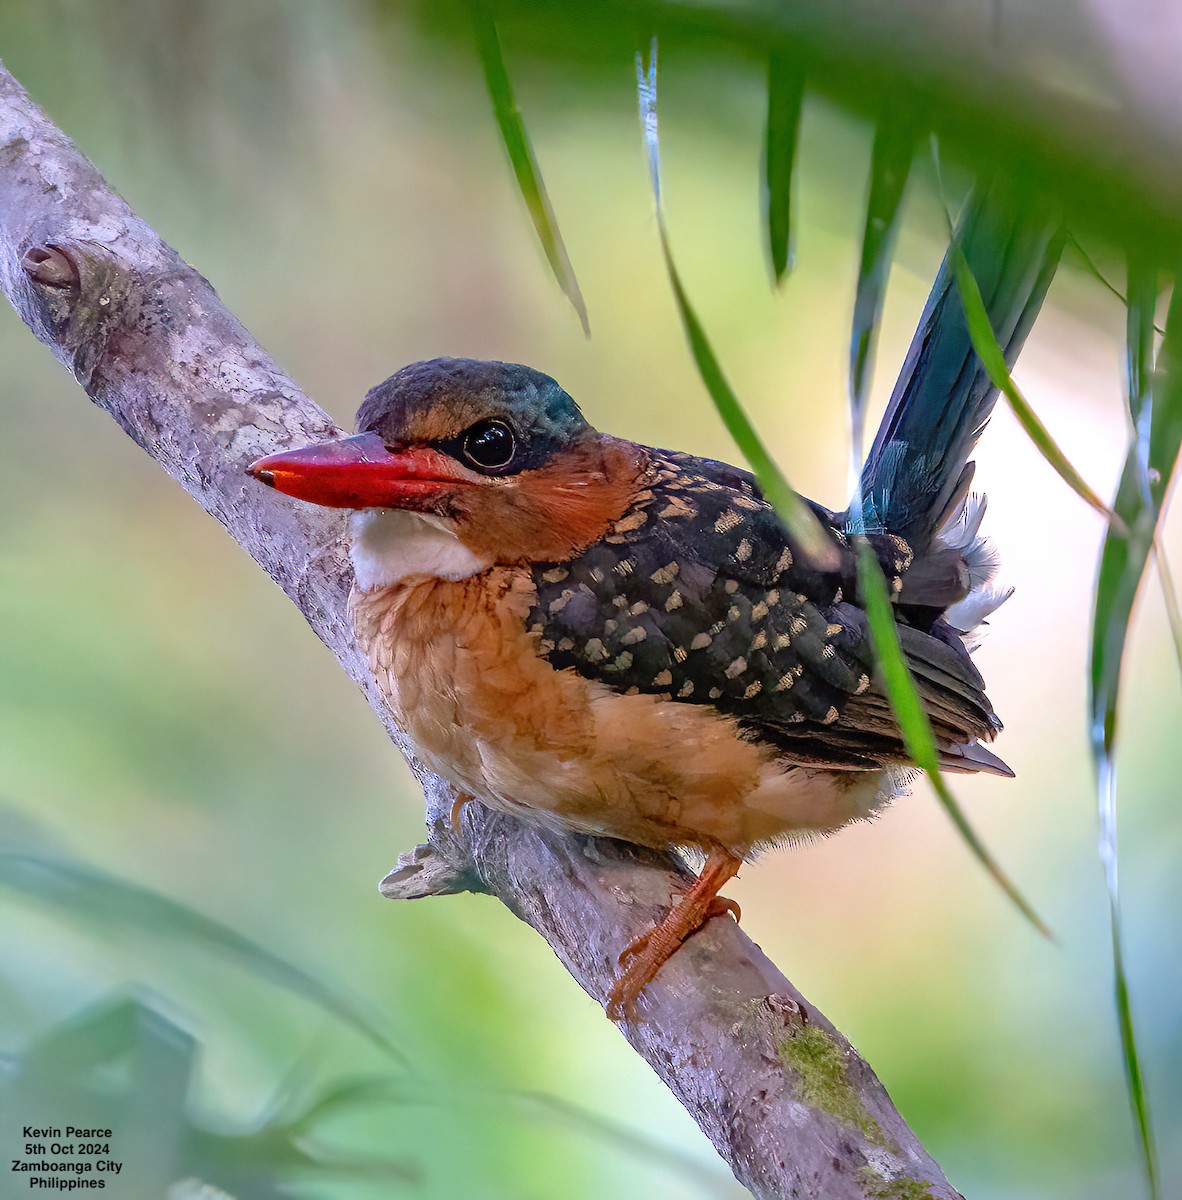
[(822, 1081), (902, 1187)]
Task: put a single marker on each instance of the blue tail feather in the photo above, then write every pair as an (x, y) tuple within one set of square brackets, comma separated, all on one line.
[(917, 470)]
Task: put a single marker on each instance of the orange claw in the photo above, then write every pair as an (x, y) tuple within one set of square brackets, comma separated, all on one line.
[(462, 800), (648, 953), (720, 906)]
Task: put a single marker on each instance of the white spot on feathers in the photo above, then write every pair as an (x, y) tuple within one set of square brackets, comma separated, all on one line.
[(631, 523), (677, 507)]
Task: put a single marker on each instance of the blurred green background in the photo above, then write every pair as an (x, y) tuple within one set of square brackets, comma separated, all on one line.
[(165, 715)]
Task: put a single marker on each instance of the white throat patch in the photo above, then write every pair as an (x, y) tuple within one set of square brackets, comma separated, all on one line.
[(388, 545)]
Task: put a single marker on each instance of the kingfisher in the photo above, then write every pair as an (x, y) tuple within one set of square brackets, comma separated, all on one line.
[(613, 639)]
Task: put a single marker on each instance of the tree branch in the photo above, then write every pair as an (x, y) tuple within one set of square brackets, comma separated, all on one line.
[(780, 1093)]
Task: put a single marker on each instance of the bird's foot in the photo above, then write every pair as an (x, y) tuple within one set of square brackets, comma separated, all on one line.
[(720, 906), (641, 960), (647, 954)]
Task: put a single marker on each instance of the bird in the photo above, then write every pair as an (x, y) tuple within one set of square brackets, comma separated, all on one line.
[(607, 638)]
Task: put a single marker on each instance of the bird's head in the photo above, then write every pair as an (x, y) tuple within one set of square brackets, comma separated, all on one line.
[(494, 456)]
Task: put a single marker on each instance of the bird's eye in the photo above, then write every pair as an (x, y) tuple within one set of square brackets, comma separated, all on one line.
[(489, 445)]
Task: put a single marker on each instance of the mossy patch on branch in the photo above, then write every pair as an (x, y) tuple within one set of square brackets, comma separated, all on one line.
[(822, 1081), (902, 1187)]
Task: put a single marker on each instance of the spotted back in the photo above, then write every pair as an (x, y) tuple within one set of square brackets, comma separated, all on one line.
[(695, 595)]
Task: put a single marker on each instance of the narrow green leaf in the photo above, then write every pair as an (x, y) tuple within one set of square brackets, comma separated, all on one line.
[(521, 156), (1165, 578), (1126, 550), (1092, 269), (1155, 408), (1134, 1078), (805, 529), (1143, 286), (991, 355), (1140, 311), (803, 526), (913, 721), (534, 1106), (890, 164), (78, 891), (785, 96)]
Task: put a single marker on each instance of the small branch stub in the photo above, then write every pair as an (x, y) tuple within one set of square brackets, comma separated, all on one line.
[(50, 266), (423, 872)]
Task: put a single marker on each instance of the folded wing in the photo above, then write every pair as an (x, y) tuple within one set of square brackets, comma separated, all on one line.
[(696, 595)]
